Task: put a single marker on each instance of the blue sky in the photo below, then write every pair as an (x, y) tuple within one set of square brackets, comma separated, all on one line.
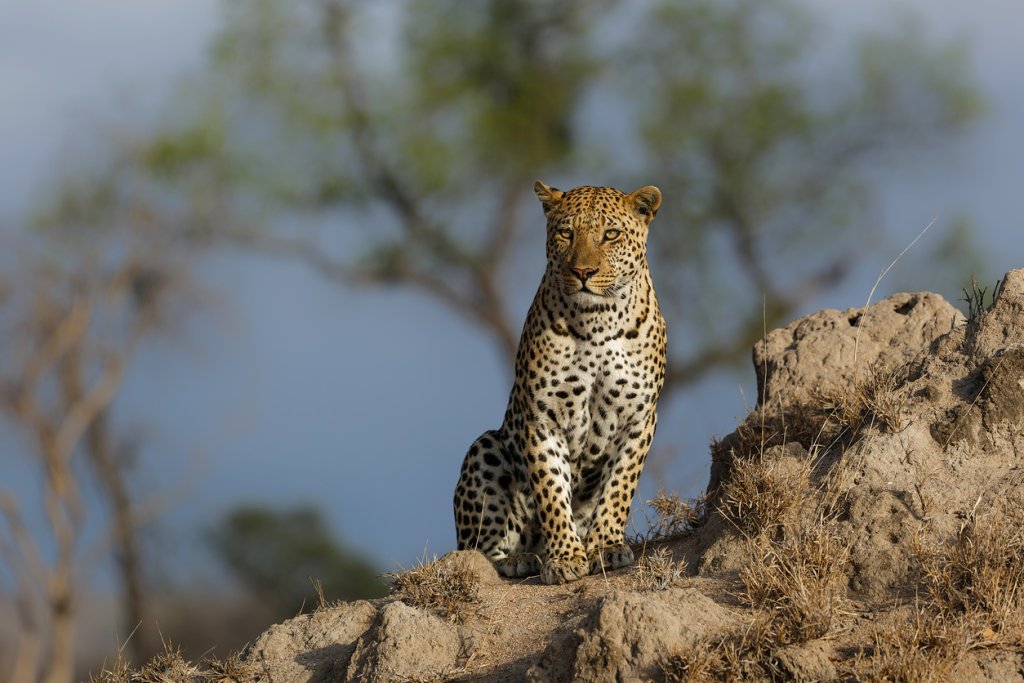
[(295, 391)]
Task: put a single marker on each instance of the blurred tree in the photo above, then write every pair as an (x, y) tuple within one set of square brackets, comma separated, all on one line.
[(73, 318), (279, 554), (396, 144)]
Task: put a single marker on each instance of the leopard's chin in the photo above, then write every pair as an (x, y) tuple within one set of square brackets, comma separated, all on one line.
[(585, 299), (586, 296), (581, 294)]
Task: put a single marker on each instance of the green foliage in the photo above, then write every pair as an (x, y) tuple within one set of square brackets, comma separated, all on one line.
[(511, 73), (171, 151), (410, 133), (279, 554), (771, 150)]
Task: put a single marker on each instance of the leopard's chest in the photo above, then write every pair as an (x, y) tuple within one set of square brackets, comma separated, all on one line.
[(601, 402), (585, 380)]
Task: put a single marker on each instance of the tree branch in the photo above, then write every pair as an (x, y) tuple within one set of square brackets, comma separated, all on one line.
[(22, 558)]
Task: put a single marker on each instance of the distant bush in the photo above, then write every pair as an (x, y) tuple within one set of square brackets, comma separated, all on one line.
[(291, 558)]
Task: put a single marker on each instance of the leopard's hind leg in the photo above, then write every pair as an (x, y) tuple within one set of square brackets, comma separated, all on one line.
[(493, 510)]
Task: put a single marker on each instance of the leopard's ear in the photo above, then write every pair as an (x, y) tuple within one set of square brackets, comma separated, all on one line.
[(549, 197), (645, 202)]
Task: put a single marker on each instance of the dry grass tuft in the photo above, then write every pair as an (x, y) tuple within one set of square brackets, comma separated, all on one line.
[(795, 582), (448, 588), (674, 516), (696, 665), (980, 574), (925, 650), (761, 493), (170, 666), (231, 670), (832, 416), (885, 395), (657, 571), (798, 580), (744, 655), (118, 672), (750, 653), (973, 590), (167, 667), (670, 517), (876, 400), (767, 426)]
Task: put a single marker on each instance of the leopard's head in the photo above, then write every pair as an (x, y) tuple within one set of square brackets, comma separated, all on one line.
[(597, 237)]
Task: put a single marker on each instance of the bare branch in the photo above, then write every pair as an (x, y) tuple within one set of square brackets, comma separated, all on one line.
[(84, 410), (60, 394), (66, 333), (22, 559), (26, 548), (386, 182)]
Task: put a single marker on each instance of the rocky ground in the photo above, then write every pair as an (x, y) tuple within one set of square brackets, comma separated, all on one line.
[(865, 522)]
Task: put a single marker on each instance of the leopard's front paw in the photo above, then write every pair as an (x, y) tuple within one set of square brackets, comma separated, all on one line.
[(520, 564), (564, 569), (610, 557)]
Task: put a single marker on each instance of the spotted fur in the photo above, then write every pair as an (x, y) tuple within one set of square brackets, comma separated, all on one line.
[(549, 491)]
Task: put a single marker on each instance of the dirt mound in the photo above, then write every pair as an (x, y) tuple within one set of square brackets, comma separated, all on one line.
[(921, 408), (626, 636), (596, 630), (309, 647), (404, 643), (837, 347), (864, 522)]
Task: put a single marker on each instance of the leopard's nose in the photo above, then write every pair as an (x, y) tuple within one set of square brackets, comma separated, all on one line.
[(584, 273)]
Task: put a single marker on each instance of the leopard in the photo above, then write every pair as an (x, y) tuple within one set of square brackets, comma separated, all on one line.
[(549, 492)]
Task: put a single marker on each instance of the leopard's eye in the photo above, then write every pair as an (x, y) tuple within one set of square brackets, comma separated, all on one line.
[(609, 235), (564, 233)]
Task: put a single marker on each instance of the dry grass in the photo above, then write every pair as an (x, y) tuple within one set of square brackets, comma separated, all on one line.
[(980, 574), (657, 571), (925, 650), (795, 582), (798, 580), (833, 415), (118, 672), (674, 516), (972, 591), (768, 426), (877, 400), (669, 516), (763, 487), (885, 395), (170, 666), (231, 670), (761, 493), (796, 586), (445, 587), (747, 654), (695, 665)]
